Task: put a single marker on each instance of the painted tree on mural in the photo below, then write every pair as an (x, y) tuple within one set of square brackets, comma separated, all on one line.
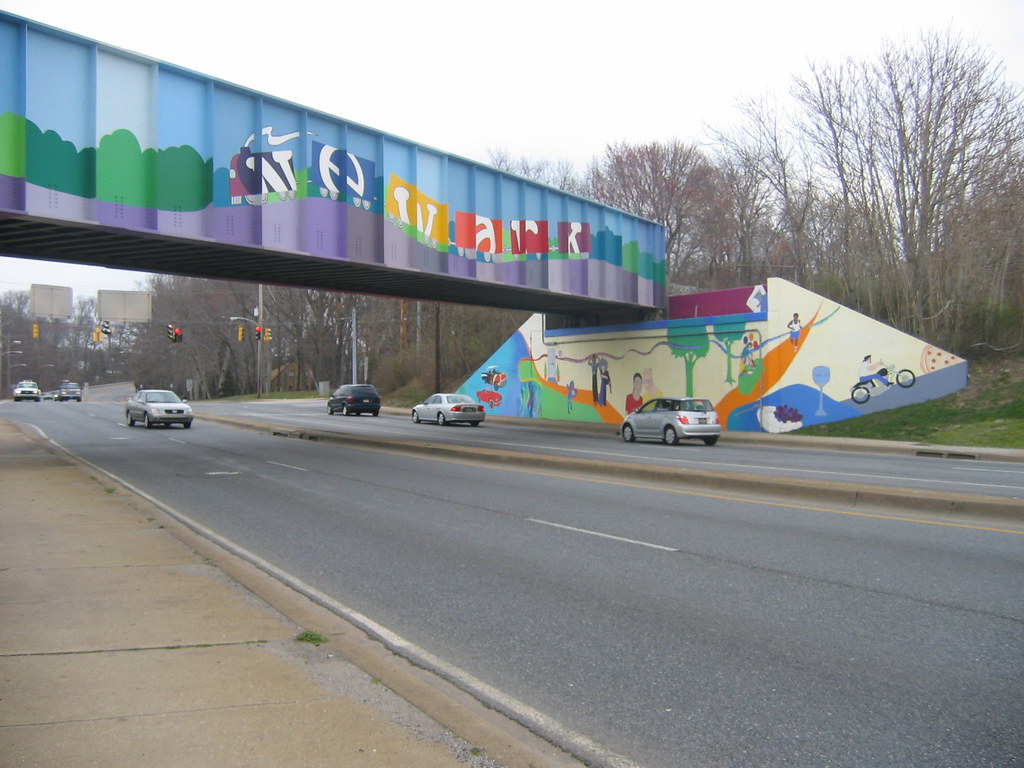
[(691, 344), (728, 334)]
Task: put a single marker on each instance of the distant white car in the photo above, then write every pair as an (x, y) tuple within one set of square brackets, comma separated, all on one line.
[(157, 406), (449, 408), (27, 390)]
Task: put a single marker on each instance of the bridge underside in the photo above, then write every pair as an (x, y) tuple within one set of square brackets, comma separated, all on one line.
[(95, 245)]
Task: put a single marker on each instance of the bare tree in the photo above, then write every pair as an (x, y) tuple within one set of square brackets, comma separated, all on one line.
[(672, 184), (912, 144)]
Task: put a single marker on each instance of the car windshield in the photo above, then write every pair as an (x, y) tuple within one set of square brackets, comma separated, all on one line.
[(161, 397), (27, 384), (69, 385), (459, 399), (362, 391)]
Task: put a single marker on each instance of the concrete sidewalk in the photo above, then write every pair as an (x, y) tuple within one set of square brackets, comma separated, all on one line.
[(128, 640)]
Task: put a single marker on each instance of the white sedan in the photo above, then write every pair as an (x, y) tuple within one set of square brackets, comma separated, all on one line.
[(449, 408)]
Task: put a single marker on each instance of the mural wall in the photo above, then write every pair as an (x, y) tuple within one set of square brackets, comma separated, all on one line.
[(93, 134), (772, 358)]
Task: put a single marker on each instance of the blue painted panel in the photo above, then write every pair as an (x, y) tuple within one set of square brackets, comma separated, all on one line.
[(60, 87), (12, 92), (183, 116)]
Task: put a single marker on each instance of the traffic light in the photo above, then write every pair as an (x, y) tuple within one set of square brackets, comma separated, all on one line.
[(170, 332), (35, 330), (241, 333), (178, 336), (259, 333), (97, 335), (106, 328), (266, 334)]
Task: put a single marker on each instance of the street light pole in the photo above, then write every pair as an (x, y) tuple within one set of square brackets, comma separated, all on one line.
[(9, 367)]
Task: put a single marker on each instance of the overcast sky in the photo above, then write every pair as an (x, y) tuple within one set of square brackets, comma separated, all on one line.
[(554, 80)]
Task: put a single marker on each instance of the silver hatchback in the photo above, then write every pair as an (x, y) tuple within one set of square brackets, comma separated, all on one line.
[(672, 418)]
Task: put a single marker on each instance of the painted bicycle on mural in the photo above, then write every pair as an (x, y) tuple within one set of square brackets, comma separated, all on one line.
[(877, 378)]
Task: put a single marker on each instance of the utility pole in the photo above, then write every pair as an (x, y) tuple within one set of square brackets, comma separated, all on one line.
[(355, 369), (259, 342)]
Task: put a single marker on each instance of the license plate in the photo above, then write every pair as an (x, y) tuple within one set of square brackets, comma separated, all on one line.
[(702, 421)]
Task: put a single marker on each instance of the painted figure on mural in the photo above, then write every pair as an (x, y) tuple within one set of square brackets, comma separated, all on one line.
[(745, 358), (649, 389), (600, 379), (794, 326), (635, 398), (873, 373)]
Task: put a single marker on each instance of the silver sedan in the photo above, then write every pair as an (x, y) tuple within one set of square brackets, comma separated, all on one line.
[(157, 406), (672, 418), (449, 408)]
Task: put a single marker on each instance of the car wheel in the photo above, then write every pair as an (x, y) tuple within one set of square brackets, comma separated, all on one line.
[(129, 419), (145, 420), (441, 420), (345, 411), (376, 413), (711, 440), (415, 417), (669, 436), (187, 425), (330, 410), (627, 433), (475, 423)]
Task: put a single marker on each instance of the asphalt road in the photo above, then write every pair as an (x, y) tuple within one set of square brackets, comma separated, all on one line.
[(599, 443), (651, 627)]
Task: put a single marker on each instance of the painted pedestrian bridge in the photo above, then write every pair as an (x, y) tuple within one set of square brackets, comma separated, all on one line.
[(117, 160)]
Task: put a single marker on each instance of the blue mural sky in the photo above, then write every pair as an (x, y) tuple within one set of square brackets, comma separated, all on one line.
[(454, 80)]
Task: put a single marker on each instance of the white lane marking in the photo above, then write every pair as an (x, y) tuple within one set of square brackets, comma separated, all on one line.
[(220, 473), (288, 466), (603, 535)]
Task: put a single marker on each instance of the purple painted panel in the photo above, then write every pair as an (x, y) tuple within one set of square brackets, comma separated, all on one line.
[(400, 251), (12, 193), (537, 274), (241, 224), (184, 223), (127, 216), (731, 301), (514, 273), (282, 230), (460, 266), (578, 272), (326, 227), (558, 275), (365, 236)]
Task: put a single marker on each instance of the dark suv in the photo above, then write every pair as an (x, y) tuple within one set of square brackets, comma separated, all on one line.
[(353, 399), (69, 390)]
